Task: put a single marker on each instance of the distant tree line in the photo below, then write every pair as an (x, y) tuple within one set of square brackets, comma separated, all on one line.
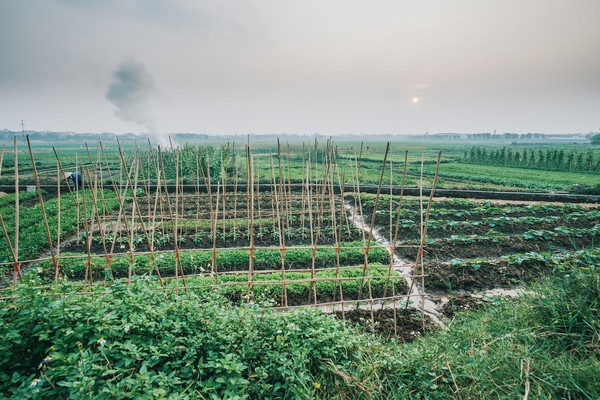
[(549, 159), (507, 136)]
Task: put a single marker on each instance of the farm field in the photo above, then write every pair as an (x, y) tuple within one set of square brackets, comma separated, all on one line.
[(237, 231)]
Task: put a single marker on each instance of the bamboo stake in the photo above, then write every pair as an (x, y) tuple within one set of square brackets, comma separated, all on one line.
[(135, 201), (17, 194), (251, 214), (17, 266), (2, 158), (312, 240), (368, 245), (95, 210), (224, 185), (197, 185), (172, 215), (121, 200), (235, 187), (337, 243), (395, 241), (303, 195), (281, 200), (289, 196), (58, 209), (41, 199), (273, 193), (214, 237), (281, 243), (88, 239), (96, 213), (77, 204)]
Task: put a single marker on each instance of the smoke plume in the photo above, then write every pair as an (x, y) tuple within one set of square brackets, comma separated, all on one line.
[(131, 91)]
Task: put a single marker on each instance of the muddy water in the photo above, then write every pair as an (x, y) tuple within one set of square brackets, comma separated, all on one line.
[(417, 300)]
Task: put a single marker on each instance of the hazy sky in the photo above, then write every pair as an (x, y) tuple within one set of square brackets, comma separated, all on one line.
[(303, 66)]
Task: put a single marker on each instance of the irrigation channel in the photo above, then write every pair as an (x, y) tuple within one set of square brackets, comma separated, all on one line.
[(404, 268)]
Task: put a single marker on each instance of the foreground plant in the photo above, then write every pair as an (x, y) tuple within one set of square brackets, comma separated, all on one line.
[(138, 342)]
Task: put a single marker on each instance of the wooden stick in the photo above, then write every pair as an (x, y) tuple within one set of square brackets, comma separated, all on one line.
[(2, 158), (17, 194), (45, 218), (250, 187), (17, 266)]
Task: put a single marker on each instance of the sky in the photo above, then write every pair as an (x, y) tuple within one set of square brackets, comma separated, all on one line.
[(305, 66)]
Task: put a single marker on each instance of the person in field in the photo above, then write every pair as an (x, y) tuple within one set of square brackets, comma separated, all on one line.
[(75, 178)]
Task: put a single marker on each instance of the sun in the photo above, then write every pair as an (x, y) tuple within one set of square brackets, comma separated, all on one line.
[(415, 100)]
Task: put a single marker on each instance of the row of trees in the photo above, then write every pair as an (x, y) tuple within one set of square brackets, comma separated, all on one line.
[(551, 158)]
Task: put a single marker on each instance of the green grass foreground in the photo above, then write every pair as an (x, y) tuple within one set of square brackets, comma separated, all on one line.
[(138, 342)]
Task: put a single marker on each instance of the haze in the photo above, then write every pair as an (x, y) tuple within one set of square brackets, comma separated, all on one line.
[(278, 66)]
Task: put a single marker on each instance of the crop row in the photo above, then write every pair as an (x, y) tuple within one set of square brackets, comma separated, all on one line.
[(446, 227), (266, 201), (195, 262), (505, 271), (32, 231), (267, 235), (494, 243), (464, 209), (328, 286)]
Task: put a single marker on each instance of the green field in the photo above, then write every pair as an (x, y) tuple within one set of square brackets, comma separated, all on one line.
[(171, 275)]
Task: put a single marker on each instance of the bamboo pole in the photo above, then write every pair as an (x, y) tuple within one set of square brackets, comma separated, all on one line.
[(17, 203), (173, 216), (41, 199), (394, 242), (368, 244), (2, 158), (273, 192), (135, 201), (289, 186), (16, 272), (96, 213), (251, 214), (284, 298), (88, 238), (58, 227), (235, 187), (424, 223), (312, 239), (337, 235), (224, 185)]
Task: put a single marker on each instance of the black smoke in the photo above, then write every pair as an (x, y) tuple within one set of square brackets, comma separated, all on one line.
[(131, 91)]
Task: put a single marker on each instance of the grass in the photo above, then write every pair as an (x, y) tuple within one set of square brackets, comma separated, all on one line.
[(517, 177)]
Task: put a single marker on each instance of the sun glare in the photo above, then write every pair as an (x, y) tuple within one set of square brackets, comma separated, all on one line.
[(415, 100)]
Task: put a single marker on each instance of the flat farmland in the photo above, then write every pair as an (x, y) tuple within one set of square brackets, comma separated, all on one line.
[(294, 232)]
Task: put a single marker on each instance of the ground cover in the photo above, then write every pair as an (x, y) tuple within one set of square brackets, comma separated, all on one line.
[(505, 178), (132, 341), (33, 238)]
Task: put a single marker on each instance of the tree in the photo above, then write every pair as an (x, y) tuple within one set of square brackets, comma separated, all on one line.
[(596, 138)]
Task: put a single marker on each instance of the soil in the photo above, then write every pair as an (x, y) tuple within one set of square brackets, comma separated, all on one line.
[(409, 323), (328, 297), (446, 250), (35, 200), (444, 277), (462, 303)]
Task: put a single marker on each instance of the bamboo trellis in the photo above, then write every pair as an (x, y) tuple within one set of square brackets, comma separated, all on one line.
[(157, 198)]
